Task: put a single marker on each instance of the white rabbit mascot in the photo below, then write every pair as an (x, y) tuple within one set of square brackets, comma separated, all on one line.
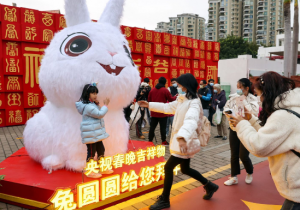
[(82, 53)]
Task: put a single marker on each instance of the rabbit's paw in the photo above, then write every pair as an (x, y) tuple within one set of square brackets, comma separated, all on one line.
[(52, 162), (75, 165)]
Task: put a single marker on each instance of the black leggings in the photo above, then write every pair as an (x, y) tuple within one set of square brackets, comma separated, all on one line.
[(93, 148), (185, 169), (163, 126), (238, 151)]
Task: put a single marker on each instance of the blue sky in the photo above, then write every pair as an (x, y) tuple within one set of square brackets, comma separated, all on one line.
[(137, 13)]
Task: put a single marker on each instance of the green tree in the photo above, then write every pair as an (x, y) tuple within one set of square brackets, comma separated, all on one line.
[(233, 46)]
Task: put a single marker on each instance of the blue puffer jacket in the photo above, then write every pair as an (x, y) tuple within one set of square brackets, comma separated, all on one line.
[(92, 126)]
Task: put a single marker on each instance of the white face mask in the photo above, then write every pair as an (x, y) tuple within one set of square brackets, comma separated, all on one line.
[(174, 85)]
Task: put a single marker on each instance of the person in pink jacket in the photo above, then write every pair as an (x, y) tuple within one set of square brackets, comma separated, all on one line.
[(188, 117)]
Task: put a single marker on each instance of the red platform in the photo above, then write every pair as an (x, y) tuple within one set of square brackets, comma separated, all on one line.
[(28, 185), (260, 195)]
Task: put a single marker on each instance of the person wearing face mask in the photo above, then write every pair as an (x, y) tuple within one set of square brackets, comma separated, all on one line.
[(275, 133), (219, 99), (238, 151), (173, 90), (205, 94), (212, 111), (188, 118)]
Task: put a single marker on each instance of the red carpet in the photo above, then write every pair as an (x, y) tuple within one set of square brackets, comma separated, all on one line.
[(261, 191)]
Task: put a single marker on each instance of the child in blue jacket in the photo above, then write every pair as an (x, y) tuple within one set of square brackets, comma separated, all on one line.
[(92, 125)]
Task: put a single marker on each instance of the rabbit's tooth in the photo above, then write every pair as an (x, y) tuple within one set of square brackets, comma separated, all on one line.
[(112, 66), (114, 74)]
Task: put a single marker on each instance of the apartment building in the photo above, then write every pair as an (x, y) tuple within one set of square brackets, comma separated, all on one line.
[(189, 25), (254, 20)]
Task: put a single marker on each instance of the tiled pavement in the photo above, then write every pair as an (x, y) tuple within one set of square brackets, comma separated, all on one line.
[(215, 155)]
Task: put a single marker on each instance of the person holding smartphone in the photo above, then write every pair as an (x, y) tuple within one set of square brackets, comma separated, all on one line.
[(238, 151)]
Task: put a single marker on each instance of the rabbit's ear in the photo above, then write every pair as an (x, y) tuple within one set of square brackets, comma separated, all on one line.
[(76, 12), (113, 12)]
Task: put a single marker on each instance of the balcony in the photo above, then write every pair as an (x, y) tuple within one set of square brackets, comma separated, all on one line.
[(210, 9), (246, 26)]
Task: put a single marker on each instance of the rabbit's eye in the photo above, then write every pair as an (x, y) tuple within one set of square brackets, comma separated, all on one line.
[(76, 45), (128, 54)]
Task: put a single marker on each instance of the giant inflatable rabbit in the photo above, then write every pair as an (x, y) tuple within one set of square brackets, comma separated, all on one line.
[(82, 53)]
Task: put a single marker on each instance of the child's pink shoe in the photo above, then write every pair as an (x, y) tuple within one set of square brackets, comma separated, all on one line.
[(107, 172)]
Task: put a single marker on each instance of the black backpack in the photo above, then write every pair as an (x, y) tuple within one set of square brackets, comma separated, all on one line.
[(298, 115)]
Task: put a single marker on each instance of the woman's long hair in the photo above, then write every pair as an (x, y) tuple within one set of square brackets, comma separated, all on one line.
[(85, 96), (272, 85), (190, 83)]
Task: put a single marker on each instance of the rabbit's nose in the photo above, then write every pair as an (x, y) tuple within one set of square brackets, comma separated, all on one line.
[(112, 53)]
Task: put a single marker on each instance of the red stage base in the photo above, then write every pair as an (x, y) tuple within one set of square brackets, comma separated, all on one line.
[(28, 185), (260, 195)]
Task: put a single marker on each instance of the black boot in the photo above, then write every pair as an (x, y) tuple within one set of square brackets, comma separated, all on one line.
[(210, 189), (161, 203)]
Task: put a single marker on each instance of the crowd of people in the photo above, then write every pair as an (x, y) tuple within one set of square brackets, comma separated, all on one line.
[(264, 122)]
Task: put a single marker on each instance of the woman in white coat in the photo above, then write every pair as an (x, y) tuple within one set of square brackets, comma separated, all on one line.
[(188, 116), (275, 134)]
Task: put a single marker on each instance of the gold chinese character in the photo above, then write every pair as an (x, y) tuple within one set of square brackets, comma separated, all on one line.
[(216, 56), (110, 186), (139, 33), (181, 71), (188, 71), (160, 151), (18, 118), (174, 63), (151, 153), (183, 41), (47, 19), (91, 166), (87, 193), (33, 99), (167, 50), (202, 64), (189, 42), (161, 69), (130, 158), (209, 45), (202, 54), (10, 14), (13, 84), (31, 113), (149, 60), (47, 35), (202, 45), (11, 49), (176, 169), (62, 22), (127, 32), (105, 163), (148, 48), (63, 200), (187, 63), (208, 56), (118, 161), (167, 38), (139, 46), (181, 62), (141, 155), (149, 36), (159, 171), (188, 52), (217, 46), (147, 72), (130, 43), (12, 66), (212, 72), (11, 32), (196, 73), (182, 52), (11, 118), (158, 48), (174, 40), (32, 65), (129, 182), (157, 37), (175, 51), (202, 74), (196, 64), (14, 99), (174, 73), (146, 176), (30, 33), (29, 16), (195, 44)]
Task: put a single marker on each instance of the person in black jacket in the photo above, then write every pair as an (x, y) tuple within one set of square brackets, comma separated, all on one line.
[(219, 99), (210, 84), (173, 90), (205, 94)]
